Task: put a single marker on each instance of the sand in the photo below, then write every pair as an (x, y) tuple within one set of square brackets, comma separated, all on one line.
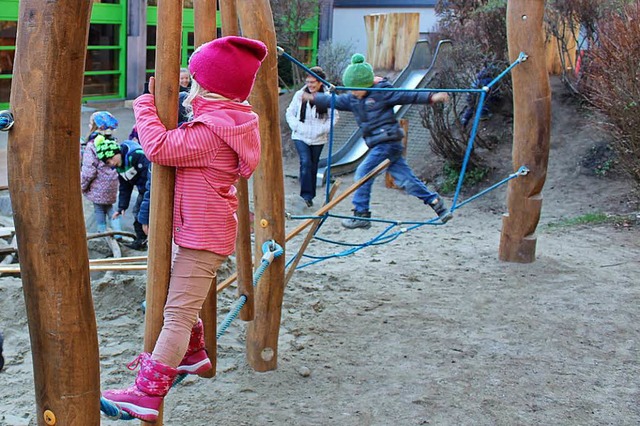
[(428, 329)]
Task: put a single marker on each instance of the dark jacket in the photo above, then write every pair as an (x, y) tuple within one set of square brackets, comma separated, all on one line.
[(132, 173), (374, 113)]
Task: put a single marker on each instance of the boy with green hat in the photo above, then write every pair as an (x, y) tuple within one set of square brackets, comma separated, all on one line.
[(373, 111), (128, 159)]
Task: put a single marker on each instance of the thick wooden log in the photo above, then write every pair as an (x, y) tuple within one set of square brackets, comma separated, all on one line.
[(391, 38), (204, 12), (531, 130), (229, 17), (244, 263), (168, 45), (256, 21), (46, 96)]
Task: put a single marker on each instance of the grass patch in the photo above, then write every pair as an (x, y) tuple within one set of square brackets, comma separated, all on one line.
[(451, 175), (586, 219)]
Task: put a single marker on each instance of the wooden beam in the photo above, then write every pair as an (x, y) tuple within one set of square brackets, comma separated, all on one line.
[(244, 263), (46, 96), (168, 45), (204, 12), (308, 238), (531, 130), (256, 21)]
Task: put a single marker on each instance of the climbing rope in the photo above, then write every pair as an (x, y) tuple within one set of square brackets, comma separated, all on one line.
[(387, 235), (270, 250)]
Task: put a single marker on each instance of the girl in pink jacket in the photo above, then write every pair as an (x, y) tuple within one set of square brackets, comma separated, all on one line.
[(220, 143)]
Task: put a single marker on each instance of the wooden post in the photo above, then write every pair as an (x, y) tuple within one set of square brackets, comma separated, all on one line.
[(163, 178), (531, 130), (229, 17), (388, 179), (391, 38), (46, 95), (244, 264), (256, 21), (204, 12)]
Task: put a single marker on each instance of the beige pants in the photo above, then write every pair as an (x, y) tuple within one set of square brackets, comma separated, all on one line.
[(192, 273)]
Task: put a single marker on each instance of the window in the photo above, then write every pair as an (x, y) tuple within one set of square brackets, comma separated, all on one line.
[(7, 54)]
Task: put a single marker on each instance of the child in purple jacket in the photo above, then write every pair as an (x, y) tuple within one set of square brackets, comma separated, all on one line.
[(98, 181)]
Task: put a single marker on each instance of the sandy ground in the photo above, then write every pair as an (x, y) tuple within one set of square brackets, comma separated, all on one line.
[(428, 329)]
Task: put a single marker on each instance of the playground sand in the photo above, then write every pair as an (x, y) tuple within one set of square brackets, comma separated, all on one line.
[(429, 329)]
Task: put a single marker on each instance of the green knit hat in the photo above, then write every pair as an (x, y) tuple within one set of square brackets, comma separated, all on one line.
[(105, 148), (359, 73)]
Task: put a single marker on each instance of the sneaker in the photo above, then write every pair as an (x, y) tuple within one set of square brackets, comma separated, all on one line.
[(443, 213), (309, 203), (354, 222), (137, 244)]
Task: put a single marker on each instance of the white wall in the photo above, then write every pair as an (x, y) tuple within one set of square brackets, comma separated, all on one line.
[(348, 24)]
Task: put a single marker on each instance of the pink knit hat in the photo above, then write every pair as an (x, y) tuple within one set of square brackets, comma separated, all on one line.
[(228, 65)]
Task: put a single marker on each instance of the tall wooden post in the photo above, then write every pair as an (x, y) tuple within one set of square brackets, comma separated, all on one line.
[(46, 95), (256, 21), (244, 265), (163, 178), (531, 130), (204, 12)]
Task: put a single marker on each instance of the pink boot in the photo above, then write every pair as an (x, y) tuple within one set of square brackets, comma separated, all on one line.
[(143, 399), (196, 360)]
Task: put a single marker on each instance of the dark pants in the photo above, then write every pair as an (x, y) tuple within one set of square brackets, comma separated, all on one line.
[(309, 158), (137, 226)]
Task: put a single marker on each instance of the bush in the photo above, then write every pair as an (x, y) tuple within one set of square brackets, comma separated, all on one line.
[(614, 83), (334, 58)]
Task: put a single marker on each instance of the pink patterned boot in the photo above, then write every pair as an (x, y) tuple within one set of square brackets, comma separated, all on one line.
[(196, 360), (143, 399)]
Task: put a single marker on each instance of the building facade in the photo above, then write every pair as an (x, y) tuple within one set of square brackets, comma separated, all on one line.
[(345, 25), (121, 46)]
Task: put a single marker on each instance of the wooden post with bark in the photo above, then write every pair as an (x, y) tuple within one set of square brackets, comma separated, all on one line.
[(46, 96), (205, 27), (531, 130), (244, 265), (391, 38), (168, 46), (256, 21)]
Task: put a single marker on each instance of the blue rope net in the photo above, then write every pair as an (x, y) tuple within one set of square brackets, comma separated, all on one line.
[(396, 228), (270, 250)]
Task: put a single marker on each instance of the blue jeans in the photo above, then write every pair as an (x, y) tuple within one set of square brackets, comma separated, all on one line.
[(309, 158), (399, 170), (102, 212)]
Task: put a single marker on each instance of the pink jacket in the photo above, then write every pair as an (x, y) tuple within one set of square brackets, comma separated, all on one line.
[(221, 143)]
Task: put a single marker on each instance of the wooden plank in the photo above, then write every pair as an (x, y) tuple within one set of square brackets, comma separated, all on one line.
[(531, 130), (46, 96)]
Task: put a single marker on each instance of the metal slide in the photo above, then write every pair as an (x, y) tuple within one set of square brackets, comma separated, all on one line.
[(416, 75)]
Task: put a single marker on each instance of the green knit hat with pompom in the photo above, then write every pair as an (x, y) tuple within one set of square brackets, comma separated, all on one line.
[(359, 73), (105, 148)]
